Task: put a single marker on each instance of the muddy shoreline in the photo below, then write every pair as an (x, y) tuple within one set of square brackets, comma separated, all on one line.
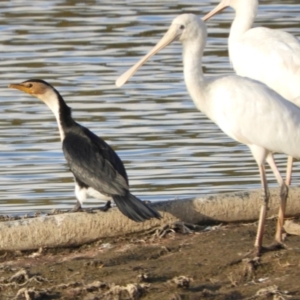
[(148, 265)]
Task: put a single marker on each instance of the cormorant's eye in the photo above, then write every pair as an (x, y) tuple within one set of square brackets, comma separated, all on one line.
[(182, 27)]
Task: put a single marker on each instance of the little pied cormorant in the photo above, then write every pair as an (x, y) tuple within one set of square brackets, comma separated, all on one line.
[(97, 169)]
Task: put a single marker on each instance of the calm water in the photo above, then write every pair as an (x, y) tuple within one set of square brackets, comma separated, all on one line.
[(169, 148)]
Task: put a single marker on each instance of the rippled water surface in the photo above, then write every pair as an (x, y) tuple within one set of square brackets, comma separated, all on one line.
[(169, 148)]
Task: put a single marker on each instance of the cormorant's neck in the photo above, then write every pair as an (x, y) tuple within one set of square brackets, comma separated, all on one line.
[(60, 109)]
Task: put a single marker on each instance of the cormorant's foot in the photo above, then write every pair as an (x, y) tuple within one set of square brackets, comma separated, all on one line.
[(77, 208), (104, 208)]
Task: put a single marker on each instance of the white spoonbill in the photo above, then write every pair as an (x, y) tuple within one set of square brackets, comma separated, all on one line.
[(268, 55), (246, 110)]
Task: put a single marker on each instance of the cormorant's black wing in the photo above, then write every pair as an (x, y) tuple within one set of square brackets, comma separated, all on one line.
[(94, 162)]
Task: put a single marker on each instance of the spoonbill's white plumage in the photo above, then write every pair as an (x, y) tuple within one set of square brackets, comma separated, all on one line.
[(246, 110), (268, 55)]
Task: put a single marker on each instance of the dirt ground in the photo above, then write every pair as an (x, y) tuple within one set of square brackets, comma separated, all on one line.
[(197, 265)]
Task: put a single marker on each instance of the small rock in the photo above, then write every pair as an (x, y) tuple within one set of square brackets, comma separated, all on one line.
[(182, 281)]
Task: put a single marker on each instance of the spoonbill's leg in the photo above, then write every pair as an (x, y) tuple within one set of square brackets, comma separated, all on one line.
[(263, 211), (289, 170), (284, 190)]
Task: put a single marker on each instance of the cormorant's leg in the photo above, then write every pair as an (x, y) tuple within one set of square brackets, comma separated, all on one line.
[(106, 207), (81, 194), (77, 207)]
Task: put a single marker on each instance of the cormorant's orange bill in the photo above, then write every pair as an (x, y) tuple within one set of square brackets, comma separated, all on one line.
[(20, 87)]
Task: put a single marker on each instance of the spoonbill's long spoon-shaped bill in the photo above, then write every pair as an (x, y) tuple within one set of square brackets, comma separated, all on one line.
[(271, 56), (168, 38), (246, 110), (221, 6)]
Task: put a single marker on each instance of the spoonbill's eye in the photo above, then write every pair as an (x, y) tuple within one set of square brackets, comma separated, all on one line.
[(182, 27)]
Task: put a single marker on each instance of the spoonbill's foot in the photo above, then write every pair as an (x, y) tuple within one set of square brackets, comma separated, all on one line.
[(251, 257), (274, 246), (256, 252)]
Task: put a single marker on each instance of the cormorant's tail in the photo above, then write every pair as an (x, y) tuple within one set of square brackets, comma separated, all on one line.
[(134, 208)]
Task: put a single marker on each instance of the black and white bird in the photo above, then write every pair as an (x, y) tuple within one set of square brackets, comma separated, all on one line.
[(96, 167)]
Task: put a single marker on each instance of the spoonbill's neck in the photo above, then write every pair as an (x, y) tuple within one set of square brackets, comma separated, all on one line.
[(243, 21), (193, 73)]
